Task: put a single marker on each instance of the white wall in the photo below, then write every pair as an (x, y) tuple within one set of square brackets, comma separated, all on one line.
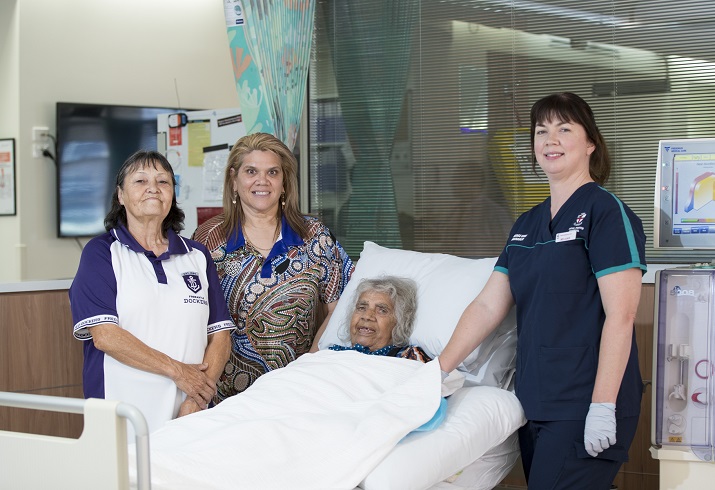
[(99, 51), (9, 225)]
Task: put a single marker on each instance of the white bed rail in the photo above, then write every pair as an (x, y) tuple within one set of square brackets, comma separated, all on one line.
[(100, 430)]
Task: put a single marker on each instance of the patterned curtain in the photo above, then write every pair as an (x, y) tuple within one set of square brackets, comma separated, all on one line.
[(270, 43), (371, 79)]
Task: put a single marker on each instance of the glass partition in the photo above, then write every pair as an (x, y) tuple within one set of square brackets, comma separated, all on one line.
[(419, 109)]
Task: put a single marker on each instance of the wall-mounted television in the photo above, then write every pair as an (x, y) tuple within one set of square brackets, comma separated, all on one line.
[(93, 140), (685, 194)]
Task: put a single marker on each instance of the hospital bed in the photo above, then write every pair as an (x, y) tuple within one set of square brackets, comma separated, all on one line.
[(98, 459), (330, 419)]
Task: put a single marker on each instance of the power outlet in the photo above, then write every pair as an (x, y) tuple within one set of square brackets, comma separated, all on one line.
[(40, 140), (40, 134)]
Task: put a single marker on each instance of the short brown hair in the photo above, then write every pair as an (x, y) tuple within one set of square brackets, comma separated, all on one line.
[(569, 107)]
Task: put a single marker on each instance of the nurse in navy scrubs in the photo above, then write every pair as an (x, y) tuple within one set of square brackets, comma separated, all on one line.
[(572, 265)]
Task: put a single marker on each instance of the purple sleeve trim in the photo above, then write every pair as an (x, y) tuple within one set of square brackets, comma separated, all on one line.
[(93, 293)]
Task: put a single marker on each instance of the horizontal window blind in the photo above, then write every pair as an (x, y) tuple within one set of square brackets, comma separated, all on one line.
[(419, 110)]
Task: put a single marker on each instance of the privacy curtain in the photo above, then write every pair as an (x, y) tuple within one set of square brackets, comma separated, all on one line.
[(270, 44), (371, 79)]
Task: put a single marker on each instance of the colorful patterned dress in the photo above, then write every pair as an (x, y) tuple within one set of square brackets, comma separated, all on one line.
[(273, 301)]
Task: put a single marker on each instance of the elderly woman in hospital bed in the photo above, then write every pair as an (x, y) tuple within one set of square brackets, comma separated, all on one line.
[(382, 319)]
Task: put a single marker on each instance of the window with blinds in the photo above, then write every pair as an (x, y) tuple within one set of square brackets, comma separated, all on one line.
[(419, 110)]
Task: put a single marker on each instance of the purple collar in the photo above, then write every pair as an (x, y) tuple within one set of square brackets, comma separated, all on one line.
[(177, 245)]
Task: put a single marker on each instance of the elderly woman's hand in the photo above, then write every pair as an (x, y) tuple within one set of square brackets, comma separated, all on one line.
[(189, 406), (192, 380)]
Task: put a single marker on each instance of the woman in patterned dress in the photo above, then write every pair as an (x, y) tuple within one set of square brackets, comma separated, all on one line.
[(280, 270)]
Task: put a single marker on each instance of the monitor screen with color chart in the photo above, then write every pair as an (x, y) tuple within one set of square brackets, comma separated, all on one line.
[(685, 194)]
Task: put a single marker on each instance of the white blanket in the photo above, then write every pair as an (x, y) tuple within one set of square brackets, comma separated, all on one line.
[(323, 422)]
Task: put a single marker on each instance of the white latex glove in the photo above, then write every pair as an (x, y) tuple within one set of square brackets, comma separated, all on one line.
[(451, 382), (600, 431)]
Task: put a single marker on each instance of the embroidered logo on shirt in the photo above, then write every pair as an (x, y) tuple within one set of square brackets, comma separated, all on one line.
[(579, 219), (518, 237), (192, 281)]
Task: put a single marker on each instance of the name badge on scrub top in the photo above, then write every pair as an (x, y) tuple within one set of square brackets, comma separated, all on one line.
[(566, 236)]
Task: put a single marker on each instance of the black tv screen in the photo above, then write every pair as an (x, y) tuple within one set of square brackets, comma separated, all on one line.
[(93, 140)]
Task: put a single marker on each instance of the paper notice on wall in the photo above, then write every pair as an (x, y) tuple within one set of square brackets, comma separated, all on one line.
[(7, 177), (198, 152), (215, 160), (199, 138), (175, 137)]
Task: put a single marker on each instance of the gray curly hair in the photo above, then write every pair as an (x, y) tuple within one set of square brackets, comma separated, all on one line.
[(403, 293)]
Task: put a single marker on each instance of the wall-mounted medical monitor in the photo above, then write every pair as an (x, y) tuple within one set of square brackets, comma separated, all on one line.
[(685, 194)]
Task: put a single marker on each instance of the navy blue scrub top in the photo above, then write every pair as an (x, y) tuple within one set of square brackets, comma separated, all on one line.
[(553, 267)]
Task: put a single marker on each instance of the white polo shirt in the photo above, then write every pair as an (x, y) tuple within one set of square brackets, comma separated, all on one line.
[(171, 303)]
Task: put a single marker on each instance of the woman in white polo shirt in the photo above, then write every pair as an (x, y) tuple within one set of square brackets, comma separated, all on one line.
[(147, 301)]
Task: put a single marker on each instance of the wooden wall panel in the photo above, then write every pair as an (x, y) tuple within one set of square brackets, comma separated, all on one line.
[(641, 469), (39, 355), (45, 422), (38, 347)]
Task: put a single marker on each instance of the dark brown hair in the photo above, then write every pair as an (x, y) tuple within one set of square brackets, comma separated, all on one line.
[(569, 107), (141, 159)]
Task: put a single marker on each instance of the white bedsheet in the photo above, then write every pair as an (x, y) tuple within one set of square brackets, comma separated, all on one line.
[(479, 419), (323, 422)]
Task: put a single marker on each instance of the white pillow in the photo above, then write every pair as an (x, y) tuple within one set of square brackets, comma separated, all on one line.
[(446, 285), (478, 418)]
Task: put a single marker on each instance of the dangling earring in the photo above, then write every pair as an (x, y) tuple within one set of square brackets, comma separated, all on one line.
[(235, 195), (283, 200)]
